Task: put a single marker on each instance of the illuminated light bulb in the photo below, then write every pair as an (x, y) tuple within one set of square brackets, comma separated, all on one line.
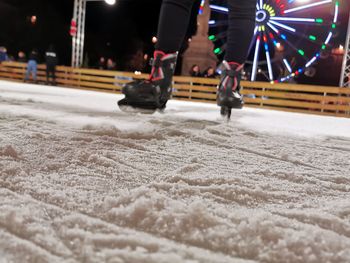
[(154, 40), (33, 19), (110, 2)]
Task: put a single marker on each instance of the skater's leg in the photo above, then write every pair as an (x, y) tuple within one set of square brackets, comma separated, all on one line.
[(240, 33), (173, 22), (154, 93), (240, 29)]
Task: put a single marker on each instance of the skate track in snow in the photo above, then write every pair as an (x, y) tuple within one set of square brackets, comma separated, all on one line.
[(81, 181)]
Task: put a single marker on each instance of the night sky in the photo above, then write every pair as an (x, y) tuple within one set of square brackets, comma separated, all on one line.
[(111, 31)]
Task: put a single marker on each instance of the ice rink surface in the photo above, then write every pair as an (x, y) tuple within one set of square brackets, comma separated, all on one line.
[(81, 181)]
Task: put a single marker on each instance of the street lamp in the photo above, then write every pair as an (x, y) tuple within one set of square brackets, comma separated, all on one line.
[(110, 2), (78, 29)]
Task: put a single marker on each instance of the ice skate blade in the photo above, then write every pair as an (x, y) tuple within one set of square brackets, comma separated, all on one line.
[(226, 112), (135, 109)]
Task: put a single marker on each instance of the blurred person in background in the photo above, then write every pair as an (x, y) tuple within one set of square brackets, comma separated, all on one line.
[(51, 60), (111, 64), (32, 66), (210, 73), (195, 71), (101, 63), (21, 57), (3, 55)]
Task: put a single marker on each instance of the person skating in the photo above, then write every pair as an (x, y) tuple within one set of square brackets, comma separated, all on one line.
[(174, 19), (51, 60)]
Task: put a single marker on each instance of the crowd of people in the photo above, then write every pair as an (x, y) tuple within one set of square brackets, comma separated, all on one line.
[(210, 72), (32, 60), (51, 61), (106, 64)]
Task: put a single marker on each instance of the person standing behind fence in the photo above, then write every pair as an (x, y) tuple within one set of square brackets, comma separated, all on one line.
[(3, 54), (51, 59), (32, 66), (210, 73), (195, 71), (21, 57), (101, 65)]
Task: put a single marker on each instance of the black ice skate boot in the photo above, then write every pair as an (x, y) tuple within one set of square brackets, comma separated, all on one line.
[(229, 96), (154, 93)]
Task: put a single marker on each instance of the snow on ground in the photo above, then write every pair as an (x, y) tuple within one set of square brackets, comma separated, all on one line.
[(81, 181)]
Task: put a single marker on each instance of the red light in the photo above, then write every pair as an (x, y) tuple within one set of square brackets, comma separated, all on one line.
[(73, 28), (33, 19)]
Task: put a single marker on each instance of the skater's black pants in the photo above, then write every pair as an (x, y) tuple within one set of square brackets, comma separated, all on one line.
[(50, 72), (175, 16)]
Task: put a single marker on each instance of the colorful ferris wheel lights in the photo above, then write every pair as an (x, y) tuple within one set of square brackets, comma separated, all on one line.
[(218, 51), (303, 7), (219, 8), (201, 8), (311, 61), (290, 33), (283, 26), (328, 38), (312, 38), (212, 37), (295, 19), (288, 66)]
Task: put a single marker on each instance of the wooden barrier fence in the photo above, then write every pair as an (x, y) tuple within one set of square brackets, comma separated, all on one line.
[(332, 101)]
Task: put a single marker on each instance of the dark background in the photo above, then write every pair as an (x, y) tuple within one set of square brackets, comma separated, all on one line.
[(117, 31), (112, 31)]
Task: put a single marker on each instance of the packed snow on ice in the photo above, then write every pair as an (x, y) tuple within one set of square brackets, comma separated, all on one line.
[(81, 181)]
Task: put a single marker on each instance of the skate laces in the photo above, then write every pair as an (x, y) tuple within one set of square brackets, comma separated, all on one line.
[(232, 72), (156, 62)]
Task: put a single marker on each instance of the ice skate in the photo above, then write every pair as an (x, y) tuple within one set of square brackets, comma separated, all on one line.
[(229, 96), (148, 96)]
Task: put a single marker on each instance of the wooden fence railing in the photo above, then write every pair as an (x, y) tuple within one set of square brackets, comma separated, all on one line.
[(332, 101)]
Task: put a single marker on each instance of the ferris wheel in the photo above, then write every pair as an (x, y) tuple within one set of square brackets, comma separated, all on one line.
[(289, 36)]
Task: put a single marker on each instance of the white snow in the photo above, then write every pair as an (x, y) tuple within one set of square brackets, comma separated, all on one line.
[(81, 181)]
